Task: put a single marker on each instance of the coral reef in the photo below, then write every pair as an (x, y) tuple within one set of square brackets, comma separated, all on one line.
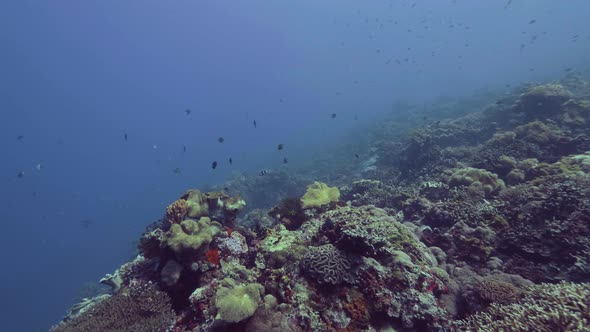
[(479, 222)]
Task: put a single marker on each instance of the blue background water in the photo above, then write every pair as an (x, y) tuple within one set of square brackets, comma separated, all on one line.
[(77, 75)]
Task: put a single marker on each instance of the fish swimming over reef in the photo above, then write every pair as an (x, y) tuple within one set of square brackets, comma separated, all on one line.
[(214, 165), (264, 172), (280, 146)]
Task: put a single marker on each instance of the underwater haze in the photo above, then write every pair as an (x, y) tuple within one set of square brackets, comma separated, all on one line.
[(110, 109)]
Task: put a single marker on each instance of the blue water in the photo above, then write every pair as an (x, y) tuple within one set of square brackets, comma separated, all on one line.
[(75, 76)]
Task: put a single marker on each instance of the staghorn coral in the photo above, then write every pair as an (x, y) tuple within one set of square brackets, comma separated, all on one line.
[(177, 211), (544, 308), (325, 264)]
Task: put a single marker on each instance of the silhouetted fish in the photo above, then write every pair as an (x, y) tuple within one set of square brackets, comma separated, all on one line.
[(254, 123), (280, 146), (285, 161), (214, 165), (264, 172), (187, 111), (356, 155), (333, 116), (86, 223), (231, 161), (125, 136), (20, 137), (184, 148), (532, 21), (177, 170), (20, 174), (221, 140)]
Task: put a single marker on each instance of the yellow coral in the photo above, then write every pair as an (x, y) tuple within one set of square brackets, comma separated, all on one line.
[(318, 194)]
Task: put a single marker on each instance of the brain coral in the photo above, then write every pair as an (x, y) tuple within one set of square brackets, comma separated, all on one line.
[(326, 264)]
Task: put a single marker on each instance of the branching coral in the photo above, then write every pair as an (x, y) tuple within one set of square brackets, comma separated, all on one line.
[(545, 308)]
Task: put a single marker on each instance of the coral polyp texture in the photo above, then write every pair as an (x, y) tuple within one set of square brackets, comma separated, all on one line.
[(325, 264), (478, 221)]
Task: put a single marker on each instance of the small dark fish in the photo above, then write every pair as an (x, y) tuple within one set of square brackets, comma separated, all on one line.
[(507, 4), (86, 223), (20, 174), (263, 172), (567, 70), (231, 161), (184, 148), (221, 140), (425, 118), (499, 102), (187, 111), (20, 137), (214, 165), (280, 146), (125, 137), (177, 170), (225, 189), (356, 155), (333, 116), (285, 160), (532, 21), (254, 123), (34, 194)]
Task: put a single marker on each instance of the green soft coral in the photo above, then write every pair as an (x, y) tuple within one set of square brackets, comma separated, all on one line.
[(237, 303), (191, 237), (319, 194)]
